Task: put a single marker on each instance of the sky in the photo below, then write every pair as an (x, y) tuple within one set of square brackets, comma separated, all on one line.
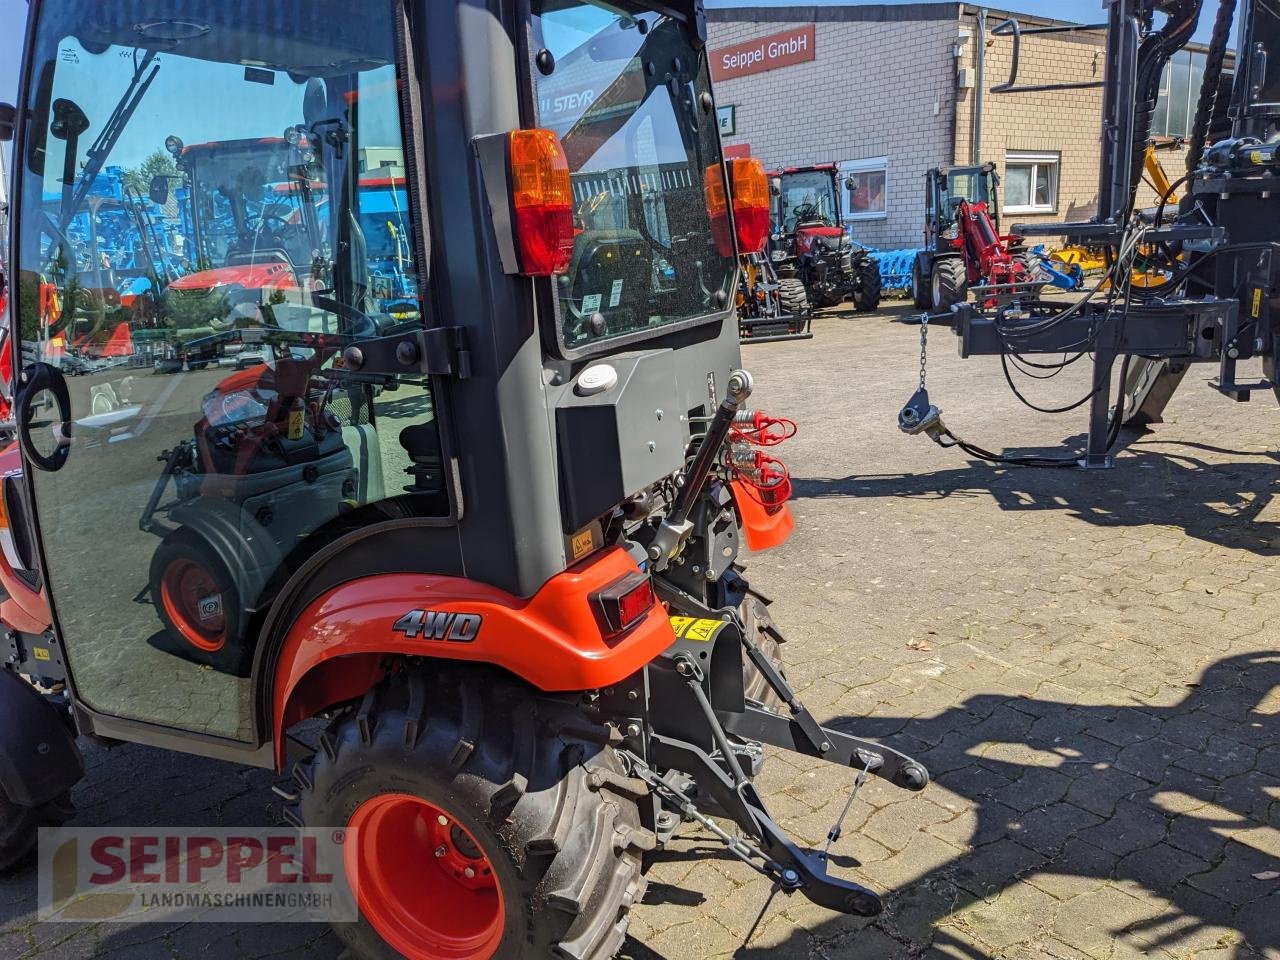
[(13, 15)]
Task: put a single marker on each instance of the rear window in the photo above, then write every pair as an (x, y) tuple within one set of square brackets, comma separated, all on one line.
[(630, 100)]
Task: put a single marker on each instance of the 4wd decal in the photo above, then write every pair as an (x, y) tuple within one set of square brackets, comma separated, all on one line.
[(436, 625)]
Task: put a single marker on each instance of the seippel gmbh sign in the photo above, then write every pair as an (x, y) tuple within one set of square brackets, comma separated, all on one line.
[(764, 53)]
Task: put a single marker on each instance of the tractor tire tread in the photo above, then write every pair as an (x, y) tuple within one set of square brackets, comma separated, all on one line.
[(920, 297), (755, 618), (793, 296), (953, 283), (471, 728), (570, 854), (20, 825), (867, 297), (512, 791)]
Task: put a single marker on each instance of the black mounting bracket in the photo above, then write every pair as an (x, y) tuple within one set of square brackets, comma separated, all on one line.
[(440, 351)]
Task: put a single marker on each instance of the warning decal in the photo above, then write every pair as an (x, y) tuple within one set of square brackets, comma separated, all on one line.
[(582, 543), (693, 628)]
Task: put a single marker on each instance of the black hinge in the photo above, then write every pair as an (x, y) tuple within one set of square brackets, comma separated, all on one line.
[(440, 351)]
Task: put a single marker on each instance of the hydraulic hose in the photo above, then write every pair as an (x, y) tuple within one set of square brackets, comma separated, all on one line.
[(1152, 57), (1207, 106)]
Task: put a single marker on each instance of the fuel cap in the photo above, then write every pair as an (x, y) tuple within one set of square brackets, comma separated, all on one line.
[(597, 378)]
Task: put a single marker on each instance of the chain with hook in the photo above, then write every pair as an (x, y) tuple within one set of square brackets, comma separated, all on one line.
[(924, 347)]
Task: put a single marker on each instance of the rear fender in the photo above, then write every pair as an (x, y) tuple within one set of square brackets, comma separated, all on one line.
[(552, 640)]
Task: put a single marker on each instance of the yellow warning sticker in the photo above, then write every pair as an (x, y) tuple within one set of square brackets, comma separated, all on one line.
[(40, 653), (1255, 157), (694, 628), (581, 543), (1256, 310), (680, 624)]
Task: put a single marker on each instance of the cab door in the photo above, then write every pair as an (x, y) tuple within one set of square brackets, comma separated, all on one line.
[(196, 419)]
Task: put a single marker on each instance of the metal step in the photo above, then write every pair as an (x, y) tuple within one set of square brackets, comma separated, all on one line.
[(1239, 392)]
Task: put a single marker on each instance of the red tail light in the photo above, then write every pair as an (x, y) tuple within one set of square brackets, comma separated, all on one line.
[(750, 203), (625, 602), (542, 198), (750, 190)]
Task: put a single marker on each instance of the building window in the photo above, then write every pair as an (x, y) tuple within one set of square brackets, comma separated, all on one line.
[(862, 188), (1031, 182)]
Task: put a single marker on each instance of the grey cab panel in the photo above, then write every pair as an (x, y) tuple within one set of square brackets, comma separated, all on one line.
[(617, 441)]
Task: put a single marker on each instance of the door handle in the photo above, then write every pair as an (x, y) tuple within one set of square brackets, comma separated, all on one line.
[(35, 379)]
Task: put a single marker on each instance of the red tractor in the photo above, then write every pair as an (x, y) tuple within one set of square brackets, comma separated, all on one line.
[(817, 248), (491, 542), (963, 247)]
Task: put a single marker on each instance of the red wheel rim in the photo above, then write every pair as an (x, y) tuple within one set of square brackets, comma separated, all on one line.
[(186, 591), (422, 881)]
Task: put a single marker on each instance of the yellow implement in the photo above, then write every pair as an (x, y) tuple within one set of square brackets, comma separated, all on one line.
[(1091, 259)]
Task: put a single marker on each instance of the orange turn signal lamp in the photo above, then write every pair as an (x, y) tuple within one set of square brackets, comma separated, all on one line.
[(542, 200), (749, 188)]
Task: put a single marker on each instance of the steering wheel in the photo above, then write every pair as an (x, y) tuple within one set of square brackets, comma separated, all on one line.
[(362, 325), (262, 229), (34, 380), (809, 213)]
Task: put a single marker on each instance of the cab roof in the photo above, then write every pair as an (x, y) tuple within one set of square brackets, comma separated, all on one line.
[(272, 36)]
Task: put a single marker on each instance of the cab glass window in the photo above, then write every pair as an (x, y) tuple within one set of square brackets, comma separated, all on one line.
[(213, 209), (630, 100), (808, 198)]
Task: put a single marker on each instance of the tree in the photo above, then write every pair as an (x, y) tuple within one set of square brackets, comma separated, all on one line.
[(158, 164)]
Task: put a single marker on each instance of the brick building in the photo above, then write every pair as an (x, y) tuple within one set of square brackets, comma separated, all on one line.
[(890, 91)]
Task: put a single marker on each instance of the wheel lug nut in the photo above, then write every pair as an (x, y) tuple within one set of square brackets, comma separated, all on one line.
[(441, 851), (469, 873), (442, 820)]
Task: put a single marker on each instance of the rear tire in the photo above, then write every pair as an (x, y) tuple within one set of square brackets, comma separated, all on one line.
[(1031, 266), (19, 827), (793, 296), (949, 284), (825, 297), (195, 595), (867, 297), (755, 619), (920, 295), (536, 801)]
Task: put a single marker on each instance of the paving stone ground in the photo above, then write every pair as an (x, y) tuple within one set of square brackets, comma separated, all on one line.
[(1089, 663)]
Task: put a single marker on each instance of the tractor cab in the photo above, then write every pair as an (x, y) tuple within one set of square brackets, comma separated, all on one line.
[(399, 333), (809, 205), (946, 188), (252, 214)]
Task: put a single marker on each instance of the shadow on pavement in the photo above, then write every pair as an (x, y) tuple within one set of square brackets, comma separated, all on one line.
[(1216, 502), (1181, 803)]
